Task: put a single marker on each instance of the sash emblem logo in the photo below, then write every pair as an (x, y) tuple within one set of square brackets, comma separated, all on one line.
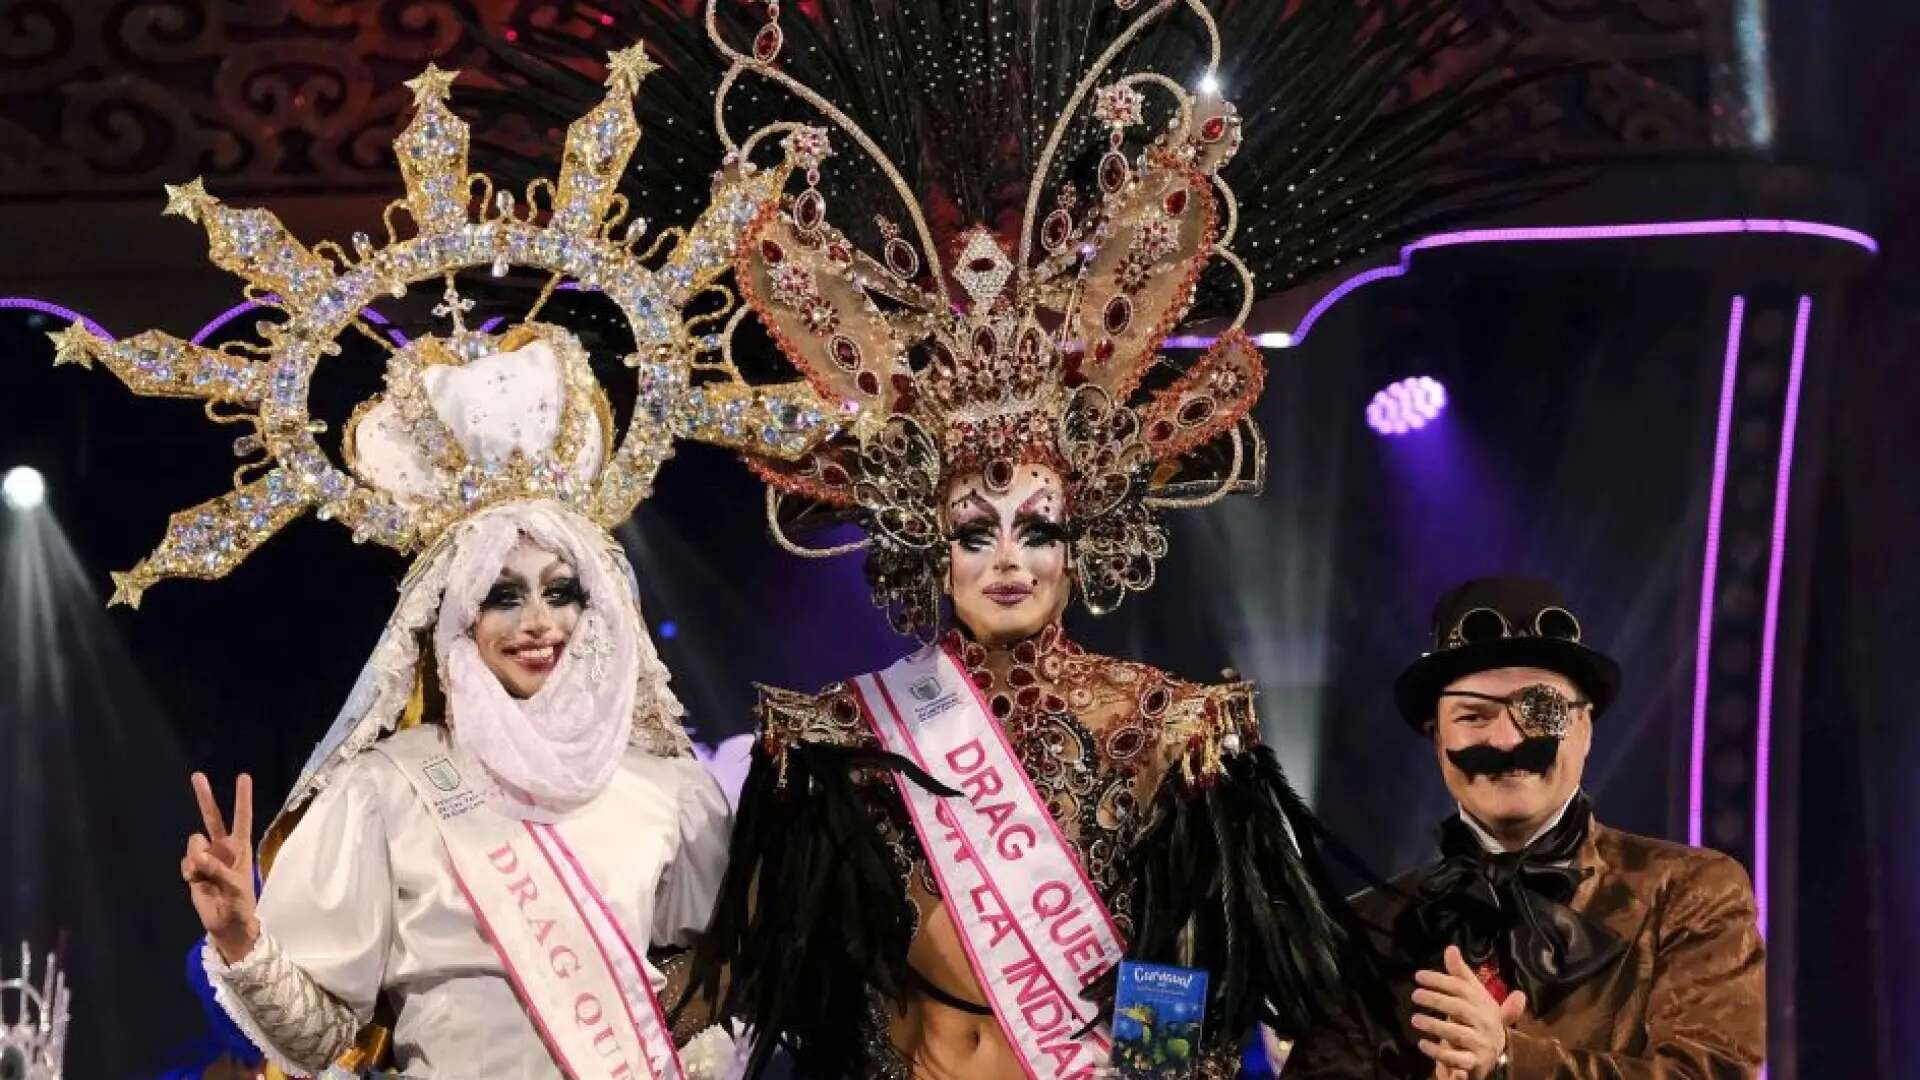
[(927, 689), (442, 773)]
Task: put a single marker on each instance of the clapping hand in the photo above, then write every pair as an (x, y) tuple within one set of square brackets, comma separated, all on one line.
[(1465, 1029)]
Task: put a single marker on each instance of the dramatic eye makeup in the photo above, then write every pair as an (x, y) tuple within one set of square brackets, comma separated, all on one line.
[(969, 503), (1037, 531), (505, 593), (566, 591), (510, 592), (973, 521), (976, 520), (973, 536)]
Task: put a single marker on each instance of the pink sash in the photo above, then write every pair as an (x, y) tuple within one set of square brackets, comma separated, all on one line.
[(571, 963), (1034, 928)]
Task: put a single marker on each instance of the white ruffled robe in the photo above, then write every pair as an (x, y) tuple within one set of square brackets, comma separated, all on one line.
[(361, 899)]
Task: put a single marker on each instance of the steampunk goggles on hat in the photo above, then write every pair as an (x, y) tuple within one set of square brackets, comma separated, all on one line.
[(1487, 624)]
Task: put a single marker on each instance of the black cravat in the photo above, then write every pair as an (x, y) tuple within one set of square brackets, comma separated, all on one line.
[(1513, 905)]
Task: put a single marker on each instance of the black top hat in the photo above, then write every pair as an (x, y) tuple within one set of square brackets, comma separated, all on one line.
[(1502, 622)]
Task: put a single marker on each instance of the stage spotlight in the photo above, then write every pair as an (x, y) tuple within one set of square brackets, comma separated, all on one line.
[(23, 488), (1407, 405)]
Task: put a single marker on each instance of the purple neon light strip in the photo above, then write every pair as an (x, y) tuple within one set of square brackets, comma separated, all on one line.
[(1550, 233), (222, 319), (245, 306), (45, 307), (372, 316), (1703, 648), (1763, 737)]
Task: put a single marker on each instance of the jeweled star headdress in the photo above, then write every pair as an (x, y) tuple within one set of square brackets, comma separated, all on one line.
[(469, 418), (1033, 350)]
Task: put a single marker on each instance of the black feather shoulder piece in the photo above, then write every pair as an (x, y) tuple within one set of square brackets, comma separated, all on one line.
[(1231, 880), (811, 913)]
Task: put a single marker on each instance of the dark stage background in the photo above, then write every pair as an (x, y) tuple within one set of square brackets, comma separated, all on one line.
[(1585, 379)]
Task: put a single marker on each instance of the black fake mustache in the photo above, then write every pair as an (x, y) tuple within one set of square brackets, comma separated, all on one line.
[(1535, 755)]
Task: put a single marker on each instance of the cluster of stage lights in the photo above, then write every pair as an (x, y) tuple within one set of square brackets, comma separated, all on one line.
[(1407, 406)]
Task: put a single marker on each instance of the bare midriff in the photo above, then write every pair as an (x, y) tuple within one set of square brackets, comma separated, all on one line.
[(937, 1041)]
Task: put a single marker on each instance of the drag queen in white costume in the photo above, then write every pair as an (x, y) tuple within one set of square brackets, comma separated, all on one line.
[(557, 712), (485, 864)]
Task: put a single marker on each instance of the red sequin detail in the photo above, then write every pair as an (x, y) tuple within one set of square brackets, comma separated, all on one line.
[(1056, 230), (999, 474), (1154, 701), (809, 209), (902, 259), (845, 351), (766, 43)]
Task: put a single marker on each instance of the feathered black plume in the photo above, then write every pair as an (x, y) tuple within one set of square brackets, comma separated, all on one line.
[(1367, 121), (810, 912), (1230, 879)]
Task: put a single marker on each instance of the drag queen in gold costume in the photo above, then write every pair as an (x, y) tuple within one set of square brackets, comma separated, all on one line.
[(938, 867)]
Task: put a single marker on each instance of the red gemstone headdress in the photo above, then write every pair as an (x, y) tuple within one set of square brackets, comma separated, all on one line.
[(1042, 349)]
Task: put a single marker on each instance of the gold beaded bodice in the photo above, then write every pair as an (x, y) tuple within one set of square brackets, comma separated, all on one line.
[(1097, 736)]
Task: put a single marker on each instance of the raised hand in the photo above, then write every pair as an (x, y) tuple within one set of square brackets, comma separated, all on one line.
[(218, 870)]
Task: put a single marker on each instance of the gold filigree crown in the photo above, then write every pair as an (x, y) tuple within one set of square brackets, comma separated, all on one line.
[(469, 418), (887, 337), (1038, 353)]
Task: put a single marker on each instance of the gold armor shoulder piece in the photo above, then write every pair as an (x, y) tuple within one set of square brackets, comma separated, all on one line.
[(1206, 724), (831, 717)]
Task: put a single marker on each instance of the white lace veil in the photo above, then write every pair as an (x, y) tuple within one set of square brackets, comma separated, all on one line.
[(389, 680)]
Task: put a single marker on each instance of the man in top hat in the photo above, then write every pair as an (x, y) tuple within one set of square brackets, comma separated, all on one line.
[(1543, 943)]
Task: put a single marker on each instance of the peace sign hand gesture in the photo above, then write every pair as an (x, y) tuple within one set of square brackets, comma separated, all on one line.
[(218, 870)]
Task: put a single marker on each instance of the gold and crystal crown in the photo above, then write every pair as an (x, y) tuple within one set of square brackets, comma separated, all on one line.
[(440, 444)]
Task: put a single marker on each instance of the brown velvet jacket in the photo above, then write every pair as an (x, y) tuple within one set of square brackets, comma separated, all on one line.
[(1686, 998)]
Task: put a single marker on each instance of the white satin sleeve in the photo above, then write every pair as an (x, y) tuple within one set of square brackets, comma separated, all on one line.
[(684, 903), (327, 921)]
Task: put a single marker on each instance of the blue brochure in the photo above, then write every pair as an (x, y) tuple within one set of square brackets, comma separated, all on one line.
[(1158, 1015)]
